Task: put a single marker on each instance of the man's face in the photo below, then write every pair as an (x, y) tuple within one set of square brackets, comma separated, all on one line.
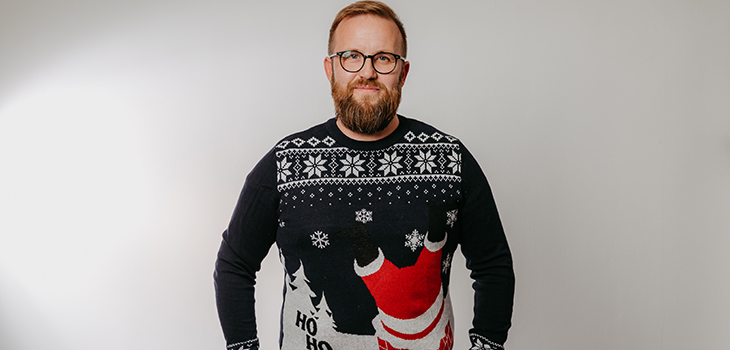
[(366, 101)]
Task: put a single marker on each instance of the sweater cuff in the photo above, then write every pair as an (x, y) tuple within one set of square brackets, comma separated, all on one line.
[(479, 342), (252, 344)]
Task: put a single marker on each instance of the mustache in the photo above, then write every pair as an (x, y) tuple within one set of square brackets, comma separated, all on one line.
[(362, 82)]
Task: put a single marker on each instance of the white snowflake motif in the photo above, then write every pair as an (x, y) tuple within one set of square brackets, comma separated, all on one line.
[(363, 216), (425, 161), (319, 239), (451, 216), (455, 164), (315, 166), (282, 169), (414, 240), (446, 264), (352, 165), (390, 163)]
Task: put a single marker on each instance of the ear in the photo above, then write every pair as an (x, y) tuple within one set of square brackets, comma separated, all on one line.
[(328, 68), (404, 72)]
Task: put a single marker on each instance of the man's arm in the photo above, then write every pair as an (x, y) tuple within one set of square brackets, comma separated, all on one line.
[(246, 242), (488, 256)]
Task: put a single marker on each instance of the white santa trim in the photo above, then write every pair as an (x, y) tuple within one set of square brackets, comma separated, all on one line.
[(426, 342), (434, 246), (372, 267)]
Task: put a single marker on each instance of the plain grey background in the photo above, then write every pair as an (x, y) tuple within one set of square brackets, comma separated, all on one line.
[(127, 129)]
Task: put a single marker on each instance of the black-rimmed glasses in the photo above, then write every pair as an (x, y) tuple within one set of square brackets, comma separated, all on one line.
[(353, 61)]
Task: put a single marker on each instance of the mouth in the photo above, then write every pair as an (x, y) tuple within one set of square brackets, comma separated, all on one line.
[(366, 88)]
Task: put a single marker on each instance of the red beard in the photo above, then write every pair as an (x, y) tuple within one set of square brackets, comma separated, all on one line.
[(369, 116)]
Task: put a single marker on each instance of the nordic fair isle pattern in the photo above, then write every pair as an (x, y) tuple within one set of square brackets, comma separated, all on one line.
[(252, 344), (481, 343), (434, 157)]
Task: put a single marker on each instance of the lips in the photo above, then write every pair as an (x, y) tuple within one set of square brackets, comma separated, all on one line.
[(366, 86)]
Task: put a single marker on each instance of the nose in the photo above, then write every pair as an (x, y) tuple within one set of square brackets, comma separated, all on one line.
[(367, 71)]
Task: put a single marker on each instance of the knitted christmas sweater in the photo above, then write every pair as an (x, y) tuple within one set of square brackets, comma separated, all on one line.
[(366, 232)]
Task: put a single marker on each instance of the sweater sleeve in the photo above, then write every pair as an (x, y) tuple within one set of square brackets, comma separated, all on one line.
[(246, 241), (488, 256)]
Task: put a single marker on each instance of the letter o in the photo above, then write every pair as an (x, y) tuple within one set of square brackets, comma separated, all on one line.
[(312, 326)]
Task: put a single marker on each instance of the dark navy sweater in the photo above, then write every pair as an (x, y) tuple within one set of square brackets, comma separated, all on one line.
[(366, 232)]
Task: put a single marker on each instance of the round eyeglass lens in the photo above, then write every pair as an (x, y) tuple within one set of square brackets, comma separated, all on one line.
[(384, 63), (351, 61)]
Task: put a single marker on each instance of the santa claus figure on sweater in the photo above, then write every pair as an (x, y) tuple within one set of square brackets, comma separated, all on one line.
[(413, 312)]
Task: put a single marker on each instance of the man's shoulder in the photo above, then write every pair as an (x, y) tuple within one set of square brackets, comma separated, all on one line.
[(314, 136), (426, 133)]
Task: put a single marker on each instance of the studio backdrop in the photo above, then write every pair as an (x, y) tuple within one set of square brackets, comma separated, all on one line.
[(127, 129)]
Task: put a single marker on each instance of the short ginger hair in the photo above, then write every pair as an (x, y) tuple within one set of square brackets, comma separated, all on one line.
[(360, 8)]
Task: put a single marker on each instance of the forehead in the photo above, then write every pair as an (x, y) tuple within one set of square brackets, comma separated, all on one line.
[(369, 34)]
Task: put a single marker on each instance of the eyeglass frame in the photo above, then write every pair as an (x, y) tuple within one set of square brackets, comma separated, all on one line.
[(365, 58)]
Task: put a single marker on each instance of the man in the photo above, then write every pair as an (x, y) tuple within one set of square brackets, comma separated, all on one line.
[(367, 210)]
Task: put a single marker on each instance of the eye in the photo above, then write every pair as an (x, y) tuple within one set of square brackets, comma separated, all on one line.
[(351, 55), (384, 58)]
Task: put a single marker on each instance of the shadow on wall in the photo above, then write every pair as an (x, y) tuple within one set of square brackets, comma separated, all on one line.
[(18, 314)]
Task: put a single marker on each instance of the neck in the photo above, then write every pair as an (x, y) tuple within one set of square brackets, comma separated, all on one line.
[(369, 137)]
